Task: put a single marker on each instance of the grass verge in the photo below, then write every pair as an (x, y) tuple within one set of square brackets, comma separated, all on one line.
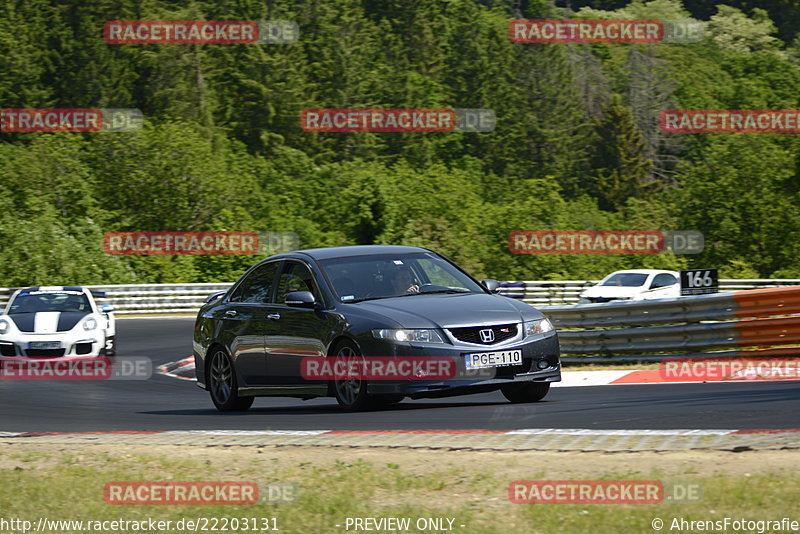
[(469, 487)]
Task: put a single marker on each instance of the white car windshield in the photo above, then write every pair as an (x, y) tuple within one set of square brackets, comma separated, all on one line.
[(626, 280), (63, 301)]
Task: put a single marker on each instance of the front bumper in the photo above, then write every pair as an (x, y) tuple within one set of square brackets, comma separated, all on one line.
[(71, 344), (544, 349)]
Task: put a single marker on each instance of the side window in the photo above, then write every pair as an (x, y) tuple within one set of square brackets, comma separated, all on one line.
[(295, 277), (663, 280), (257, 286)]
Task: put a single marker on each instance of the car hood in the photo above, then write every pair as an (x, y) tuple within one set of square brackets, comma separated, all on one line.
[(450, 310), (46, 322)]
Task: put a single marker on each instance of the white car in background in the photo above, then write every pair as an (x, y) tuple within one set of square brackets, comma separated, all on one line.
[(636, 284), (55, 321)]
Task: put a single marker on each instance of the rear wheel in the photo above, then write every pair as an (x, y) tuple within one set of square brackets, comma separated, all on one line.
[(350, 393), (223, 385), (527, 392)]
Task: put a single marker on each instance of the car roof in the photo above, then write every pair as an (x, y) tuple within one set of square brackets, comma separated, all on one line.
[(644, 271), (349, 251)]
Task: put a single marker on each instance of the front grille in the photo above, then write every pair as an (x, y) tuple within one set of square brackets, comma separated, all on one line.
[(45, 353), (472, 334)]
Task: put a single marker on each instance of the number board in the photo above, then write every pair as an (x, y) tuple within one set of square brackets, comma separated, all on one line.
[(699, 282)]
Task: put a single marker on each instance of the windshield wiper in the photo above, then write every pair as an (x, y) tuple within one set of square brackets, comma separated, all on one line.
[(369, 298), (448, 290)]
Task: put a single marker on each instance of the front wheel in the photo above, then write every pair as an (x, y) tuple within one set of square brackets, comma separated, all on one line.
[(223, 385), (527, 392), (350, 393)]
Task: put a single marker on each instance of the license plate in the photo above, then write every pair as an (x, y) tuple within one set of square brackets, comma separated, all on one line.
[(481, 360), (44, 345)]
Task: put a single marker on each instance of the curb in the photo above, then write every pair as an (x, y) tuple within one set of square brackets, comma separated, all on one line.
[(531, 439)]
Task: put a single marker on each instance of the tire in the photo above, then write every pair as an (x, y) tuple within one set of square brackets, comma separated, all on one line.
[(110, 349), (527, 392), (223, 386), (350, 394)]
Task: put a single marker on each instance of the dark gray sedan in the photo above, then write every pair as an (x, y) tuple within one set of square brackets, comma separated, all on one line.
[(369, 325)]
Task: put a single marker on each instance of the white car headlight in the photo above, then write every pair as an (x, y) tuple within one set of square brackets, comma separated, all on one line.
[(89, 323), (540, 326), (3, 326), (425, 335)]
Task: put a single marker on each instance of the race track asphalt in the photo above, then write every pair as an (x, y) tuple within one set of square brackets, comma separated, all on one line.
[(165, 403)]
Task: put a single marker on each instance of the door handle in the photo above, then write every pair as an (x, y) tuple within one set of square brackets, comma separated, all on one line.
[(274, 316), (231, 313)]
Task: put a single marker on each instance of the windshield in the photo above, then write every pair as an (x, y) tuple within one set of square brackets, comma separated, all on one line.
[(626, 280), (64, 301), (392, 275)]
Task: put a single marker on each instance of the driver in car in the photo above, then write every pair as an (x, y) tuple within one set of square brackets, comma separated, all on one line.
[(403, 281)]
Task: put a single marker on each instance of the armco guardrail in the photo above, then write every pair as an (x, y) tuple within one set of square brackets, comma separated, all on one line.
[(747, 321), (187, 298), (567, 291), (149, 298)]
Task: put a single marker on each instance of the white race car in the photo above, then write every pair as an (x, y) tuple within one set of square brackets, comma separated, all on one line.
[(635, 284), (54, 321)]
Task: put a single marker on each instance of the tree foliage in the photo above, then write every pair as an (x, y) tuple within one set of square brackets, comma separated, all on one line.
[(576, 147)]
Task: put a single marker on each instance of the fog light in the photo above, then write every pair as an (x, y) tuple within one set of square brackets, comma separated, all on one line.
[(543, 364)]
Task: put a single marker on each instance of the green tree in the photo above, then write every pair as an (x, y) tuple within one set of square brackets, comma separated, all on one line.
[(620, 169)]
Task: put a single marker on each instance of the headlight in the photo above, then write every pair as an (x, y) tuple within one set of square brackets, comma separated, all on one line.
[(89, 324), (3, 326), (416, 335), (539, 326)]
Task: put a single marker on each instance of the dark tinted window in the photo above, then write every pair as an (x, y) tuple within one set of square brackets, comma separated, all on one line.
[(387, 275), (57, 301), (295, 277), (626, 280), (257, 286), (663, 280)]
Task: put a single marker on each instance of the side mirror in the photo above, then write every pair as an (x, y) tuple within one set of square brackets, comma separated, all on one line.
[(214, 296), (106, 308), (491, 284), (300, 299)]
